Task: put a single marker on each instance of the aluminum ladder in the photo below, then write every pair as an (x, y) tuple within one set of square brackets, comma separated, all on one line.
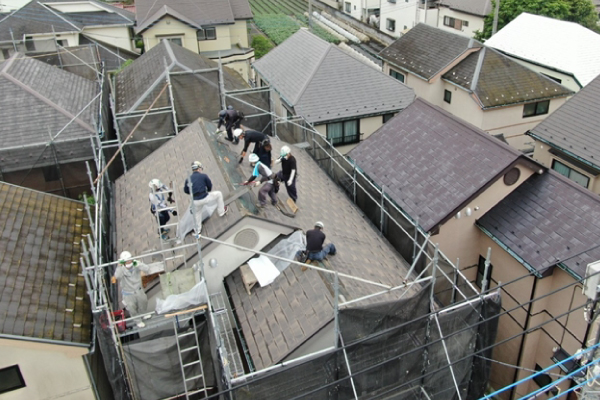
[(188, 372)]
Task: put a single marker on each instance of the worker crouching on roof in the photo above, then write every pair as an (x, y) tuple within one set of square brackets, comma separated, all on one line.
[(288, 172), (314, 244), (267, 177), (128, 273), (233, 120), (262, 145)]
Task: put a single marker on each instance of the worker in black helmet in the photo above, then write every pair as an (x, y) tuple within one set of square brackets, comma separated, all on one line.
[(262, 144), (233, 120)]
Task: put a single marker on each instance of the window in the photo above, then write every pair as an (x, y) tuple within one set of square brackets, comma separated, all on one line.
[(447, 96), (343, 132), (392, 1), (62, 43), (538, 108), (178, 40), (387, 117), (51, 173), (553, 78), (465, 23), (481, 271), (29, 43), (570, 173), (6, 54), (391, 25), (11, 379), (397, 75), (455, 23), (348, 7), (208, 33)]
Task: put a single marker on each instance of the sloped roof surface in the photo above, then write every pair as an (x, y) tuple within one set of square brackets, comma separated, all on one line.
[(475, 7), (39, 271), (241, 9), (202, 12), (574, 127), (430, 161), (503, 81), (38, 99), (566, 46), (546, 220), (277, 318), (425, 50), (316, 79)]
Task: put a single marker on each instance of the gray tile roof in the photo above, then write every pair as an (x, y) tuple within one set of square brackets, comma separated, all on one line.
[(502, 81), (431, 162), (277, 318), (306, 70), (425, 50), (548, 219), (42, 294), (475, 7), (573, 128), (38, 99)]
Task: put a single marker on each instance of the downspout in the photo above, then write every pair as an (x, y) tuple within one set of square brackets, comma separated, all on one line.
[(522, 346)]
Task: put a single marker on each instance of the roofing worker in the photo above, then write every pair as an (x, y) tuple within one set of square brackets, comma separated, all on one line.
[(314, 244), (233, 119), (200, 186), (130, 280), (288, 172), (221, 123), (262, 144), (267, 177), (159, 204)]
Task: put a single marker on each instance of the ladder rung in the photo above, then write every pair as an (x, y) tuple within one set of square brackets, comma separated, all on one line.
[(195, 391), (193, 377), (188, 349), (171, 258), (173, 224), (191, 363), (186, 334)]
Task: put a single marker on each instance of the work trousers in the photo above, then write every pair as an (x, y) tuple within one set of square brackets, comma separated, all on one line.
[(291, 190), (267, 190), (136, 303), (212, 197), (319, 255)]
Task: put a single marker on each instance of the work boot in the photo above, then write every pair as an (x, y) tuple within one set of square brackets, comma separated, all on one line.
[(141, 324), (224, 212)]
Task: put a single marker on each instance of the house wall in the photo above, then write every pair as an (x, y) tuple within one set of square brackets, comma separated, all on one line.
[(117, 36), (475, 22), (541, 154), (9, 5), (367, 127), (239, 34), (169, 27), (240, 63), (45, 42), (355, 8), (404, 12), (49, 371), (566, 80), (223, 41)]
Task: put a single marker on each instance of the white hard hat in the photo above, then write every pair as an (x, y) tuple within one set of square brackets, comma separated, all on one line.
[(253, 158), (237, 132), (196, 165), (285, 150), (125, 256), (319, 224), (154, 183)]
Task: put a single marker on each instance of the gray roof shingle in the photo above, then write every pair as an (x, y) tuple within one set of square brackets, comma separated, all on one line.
[(39, 99), (431, 162), (425, 50), (42, 294), (573, 128), (278, 318), (305, 70), (475, 7), (546, 220)]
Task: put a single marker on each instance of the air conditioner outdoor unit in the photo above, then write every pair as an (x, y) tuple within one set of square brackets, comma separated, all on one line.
[(592, 280)]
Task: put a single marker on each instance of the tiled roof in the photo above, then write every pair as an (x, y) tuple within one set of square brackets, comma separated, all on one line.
[(475, 7), (562, 45), (502, 81), (38, 100), (306, 71), (201, 12), (425, 50), (431, 162), (546, 220), (573, 128), (241, 9), (277, 318), (42, 295)]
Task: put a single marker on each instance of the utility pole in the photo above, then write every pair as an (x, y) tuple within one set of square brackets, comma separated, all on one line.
[(310, 23), (496, 12)]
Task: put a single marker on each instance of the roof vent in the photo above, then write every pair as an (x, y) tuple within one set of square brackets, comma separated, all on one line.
[(512, 176), (246, 238)]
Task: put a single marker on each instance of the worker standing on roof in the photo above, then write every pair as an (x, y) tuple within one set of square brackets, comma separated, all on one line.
[(158, 204), (288, 172), (267, 177), (233, 119), (314, 244), (262, 145), (200, 186), (128, 273)]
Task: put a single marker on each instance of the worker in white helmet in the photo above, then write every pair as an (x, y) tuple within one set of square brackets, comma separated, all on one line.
[(200, 186), (158, 203), (314, 244), (267, 178), (130, 281), (288, 172)]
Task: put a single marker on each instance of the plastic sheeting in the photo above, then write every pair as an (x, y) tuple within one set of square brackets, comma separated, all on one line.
[(195, 296), (287, 248), (187, 223), (264, 270)]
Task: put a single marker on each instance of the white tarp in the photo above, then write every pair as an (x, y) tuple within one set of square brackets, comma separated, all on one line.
[(195, 296), (264, 270), (186, 221)]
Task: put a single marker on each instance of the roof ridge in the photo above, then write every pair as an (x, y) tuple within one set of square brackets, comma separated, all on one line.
[(313, 73)]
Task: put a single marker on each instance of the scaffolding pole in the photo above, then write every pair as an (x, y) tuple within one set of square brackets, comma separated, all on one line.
[(437, 321)]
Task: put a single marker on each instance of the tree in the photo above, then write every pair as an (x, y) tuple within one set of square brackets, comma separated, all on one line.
[(579, 11), (261, 46)]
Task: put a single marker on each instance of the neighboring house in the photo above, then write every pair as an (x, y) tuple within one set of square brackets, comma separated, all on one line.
[(50, 126), (359, 9), (475, 83), (472, 192), (311, 78), (399, 16), (463, 17), (43, 26), (567, 141), (11, 5), (564, 51), (215, 29), (45, 318)]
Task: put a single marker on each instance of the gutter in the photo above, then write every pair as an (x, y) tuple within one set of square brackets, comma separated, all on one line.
[(551, 144), (42, 340)]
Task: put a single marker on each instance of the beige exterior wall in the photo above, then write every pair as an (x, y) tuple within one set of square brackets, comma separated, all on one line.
[(239, 34), (223, 41), (240, 64), (117, 36), (542, 154), (50, 371), (45, 42), (565, 79), (474, 22), (170, 27)]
